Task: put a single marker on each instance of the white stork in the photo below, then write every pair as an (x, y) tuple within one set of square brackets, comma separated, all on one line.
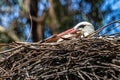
[(82, 28)]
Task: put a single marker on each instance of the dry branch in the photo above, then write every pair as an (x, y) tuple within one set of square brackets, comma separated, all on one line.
[(79, 59)]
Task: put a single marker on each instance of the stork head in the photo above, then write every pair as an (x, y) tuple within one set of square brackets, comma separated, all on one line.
[(85, 27)]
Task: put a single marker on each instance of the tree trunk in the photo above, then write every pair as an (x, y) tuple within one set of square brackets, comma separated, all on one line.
[(33, 11)]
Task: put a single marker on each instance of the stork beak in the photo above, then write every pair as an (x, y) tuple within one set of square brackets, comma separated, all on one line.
[(69, 31)]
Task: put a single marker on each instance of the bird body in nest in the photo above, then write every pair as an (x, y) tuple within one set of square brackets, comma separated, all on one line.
[(82, 29)]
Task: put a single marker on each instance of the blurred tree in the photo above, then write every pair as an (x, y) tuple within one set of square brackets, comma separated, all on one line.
[(51, 16)]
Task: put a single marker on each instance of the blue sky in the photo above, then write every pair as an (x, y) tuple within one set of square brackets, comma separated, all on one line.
[(114, 5)]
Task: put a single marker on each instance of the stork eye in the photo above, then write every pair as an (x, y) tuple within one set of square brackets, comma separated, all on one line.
[(81, 26)]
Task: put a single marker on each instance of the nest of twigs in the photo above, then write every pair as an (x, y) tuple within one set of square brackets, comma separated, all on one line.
[(79, 59), (91, 58)]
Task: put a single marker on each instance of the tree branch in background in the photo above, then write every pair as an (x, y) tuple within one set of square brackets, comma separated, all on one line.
[(24, 6), (2, 29), (10, 33), (38, 19), (37, 22), (54, 23)]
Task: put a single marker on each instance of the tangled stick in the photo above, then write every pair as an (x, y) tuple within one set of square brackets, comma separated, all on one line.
[(79, 59)]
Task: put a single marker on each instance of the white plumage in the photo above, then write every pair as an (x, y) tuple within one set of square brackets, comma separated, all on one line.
[(82, 28)]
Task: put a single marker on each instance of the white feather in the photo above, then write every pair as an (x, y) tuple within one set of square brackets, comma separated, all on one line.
[(86, 30)]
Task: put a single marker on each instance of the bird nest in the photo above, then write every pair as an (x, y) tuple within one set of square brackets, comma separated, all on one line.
[(79, 59), (90, 58)]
